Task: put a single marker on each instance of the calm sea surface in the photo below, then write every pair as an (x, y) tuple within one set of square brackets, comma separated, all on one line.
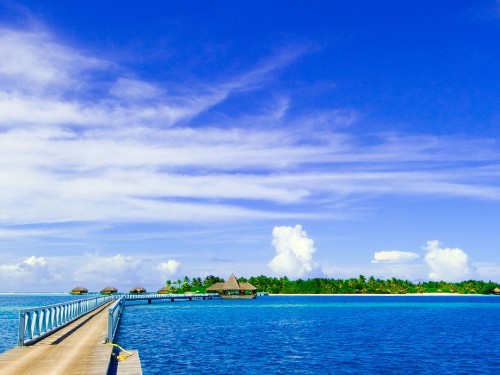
[(304, 335), (10, 304)]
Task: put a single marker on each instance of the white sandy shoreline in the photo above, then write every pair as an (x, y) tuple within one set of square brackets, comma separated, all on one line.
[(375, 295)]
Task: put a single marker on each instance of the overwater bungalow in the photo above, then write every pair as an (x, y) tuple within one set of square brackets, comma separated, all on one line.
[(79, 290), (166, 290), (109, 290), (232, 289), (138, 290)]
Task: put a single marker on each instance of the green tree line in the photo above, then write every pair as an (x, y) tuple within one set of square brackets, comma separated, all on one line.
[(359, 285)]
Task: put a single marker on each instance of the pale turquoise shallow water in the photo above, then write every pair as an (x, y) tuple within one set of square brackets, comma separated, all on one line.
[(304, 335), (10, 304)]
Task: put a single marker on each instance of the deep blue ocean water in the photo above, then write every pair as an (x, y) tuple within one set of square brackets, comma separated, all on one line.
[(304, 335), (317, 335)]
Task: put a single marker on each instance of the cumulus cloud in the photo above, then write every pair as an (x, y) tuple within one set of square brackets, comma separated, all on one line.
[(28, 275), (294, 252), (91, 270), (448, 264), (394, 256), (170, 267)]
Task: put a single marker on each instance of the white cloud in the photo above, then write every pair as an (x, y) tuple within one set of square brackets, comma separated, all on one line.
[(134, 89), (31, 274), (414, 271), (47, 83), (82, 141), (294, 252), (394, 256), (93, 271), (446, 264), (170, 267), (34, 61), (118, 271), (487, 271), (33, 261)]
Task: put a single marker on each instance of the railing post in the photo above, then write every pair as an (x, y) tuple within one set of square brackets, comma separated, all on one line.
[(22, 325), (109, 335), (37, 323)]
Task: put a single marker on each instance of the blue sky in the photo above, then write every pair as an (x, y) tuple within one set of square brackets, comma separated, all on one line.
[(140, 142)]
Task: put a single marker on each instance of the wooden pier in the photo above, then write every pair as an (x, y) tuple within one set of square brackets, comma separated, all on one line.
[(82, 346), (76, 349)]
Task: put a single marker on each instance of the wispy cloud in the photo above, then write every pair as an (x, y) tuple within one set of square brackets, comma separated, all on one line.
[(84, 140), (47, 83), (34, 62), (109, 270)]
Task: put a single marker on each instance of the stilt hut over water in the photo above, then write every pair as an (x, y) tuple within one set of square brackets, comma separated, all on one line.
[(109, 290), (232, 289), (79, 290), (138, 290), (166, 290)]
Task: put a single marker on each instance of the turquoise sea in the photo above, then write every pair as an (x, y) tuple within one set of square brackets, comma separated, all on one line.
[(10, 304), (304, 335)]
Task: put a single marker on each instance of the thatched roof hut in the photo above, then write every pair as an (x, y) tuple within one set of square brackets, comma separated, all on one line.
[(231, 283), (496, 291), (166, 290), (247, 286), (138, 290), (233, 289), (109, 290), (215, 288), (79, 290)]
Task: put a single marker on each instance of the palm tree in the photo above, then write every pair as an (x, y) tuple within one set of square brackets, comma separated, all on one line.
[(186, 284), (211, 280), (196, 282)]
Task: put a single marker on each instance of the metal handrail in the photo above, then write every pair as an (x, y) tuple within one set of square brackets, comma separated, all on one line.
[(140, 296), (39, 322), (114, 315), (116, 309)]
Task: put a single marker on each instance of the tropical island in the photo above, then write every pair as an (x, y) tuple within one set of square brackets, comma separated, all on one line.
[(359, 285)]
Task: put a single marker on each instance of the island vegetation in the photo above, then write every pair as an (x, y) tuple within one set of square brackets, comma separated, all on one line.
[(359, 285)]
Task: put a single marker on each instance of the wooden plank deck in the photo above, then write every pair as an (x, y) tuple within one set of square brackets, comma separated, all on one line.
[(76, 349), (130, 366)]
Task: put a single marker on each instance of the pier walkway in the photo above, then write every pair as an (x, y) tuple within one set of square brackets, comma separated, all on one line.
[(75, 349), (75, 338)]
